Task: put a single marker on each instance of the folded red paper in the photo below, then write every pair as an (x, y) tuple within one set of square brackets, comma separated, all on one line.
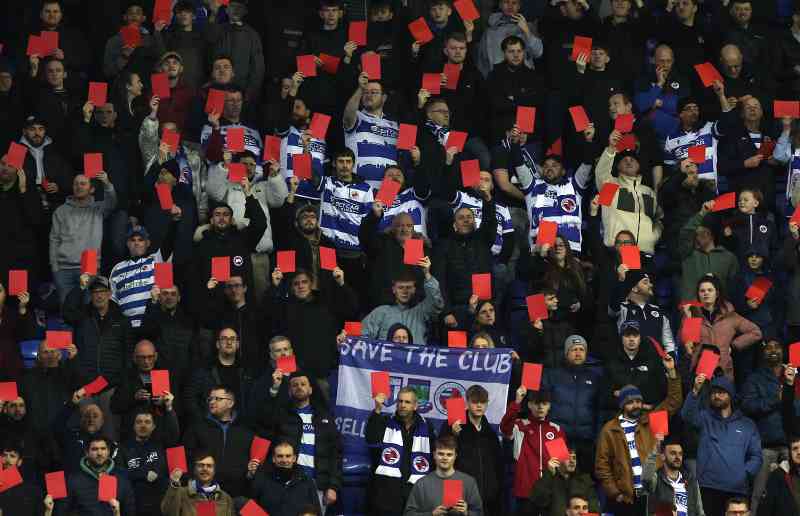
[(658, 347), (236, 172), (163, 275), (659, 422), (467, 10), (17, 282), (329, 63), (9, 477), (456, 139), (95, 386), (452, 72), (205, 508), (482, 286), (357, 32), (547, 232), (420, 31), (159, 83), (630, 256), (456, 339), (56, 484), (786, 108), (58, 339), (697, 154), (234, 139), (352, 328), (380, 383), (432, 82), (579, 118), (725, 201), (319, 125), (452, 492), (272, 148), (690, 330), (131, 36), (557, 449), (581, 45), (537, 308), (413, 251), (251, 508), (388, 191), (532, 376), (287, 364), (526, 119), (15, 156), (106, 487), (49, 41), (221, 268), (456, 410), (623, 123), (307, 65), (164, 194), (327, 258), (708, 363), (171, 139), (408, 137), (159, 382), (176, 459), (758, 289), (92, 164), (708, 74), (8, 391), (98, 93), (286, 261), (371, 65), (470, 173), (259, 449), (794, 354), (301, 166), (607, 193), (215, 102), (627, 143)]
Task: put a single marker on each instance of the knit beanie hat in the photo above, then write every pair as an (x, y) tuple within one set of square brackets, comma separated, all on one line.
[(629, 393)]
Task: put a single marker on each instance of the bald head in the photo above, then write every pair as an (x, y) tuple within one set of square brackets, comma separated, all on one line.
[(144, 355), (731, 59)]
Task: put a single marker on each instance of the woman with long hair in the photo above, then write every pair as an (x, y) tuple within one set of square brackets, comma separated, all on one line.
[(722, 329), (556, 268), (484, 320)]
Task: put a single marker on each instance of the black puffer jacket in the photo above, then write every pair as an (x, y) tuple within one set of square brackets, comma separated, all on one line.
[(644, 370), (104, 343), (45, 391), (283, 498)]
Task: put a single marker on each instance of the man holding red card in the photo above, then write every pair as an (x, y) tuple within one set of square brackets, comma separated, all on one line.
[(285, 488), (445, 490), (84, 485), (625, 442), (202, 487)]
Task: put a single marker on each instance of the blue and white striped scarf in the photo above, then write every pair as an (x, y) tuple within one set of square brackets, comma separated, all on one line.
[(629, 427), (680, 497)]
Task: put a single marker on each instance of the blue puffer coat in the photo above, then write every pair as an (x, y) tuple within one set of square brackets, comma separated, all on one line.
[(760, 401), (575, 399)]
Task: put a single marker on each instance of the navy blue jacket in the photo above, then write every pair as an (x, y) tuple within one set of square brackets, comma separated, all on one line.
[(759, 400), (575, 399), (729, 452), (140, 458), (82, 496), (280, 498)]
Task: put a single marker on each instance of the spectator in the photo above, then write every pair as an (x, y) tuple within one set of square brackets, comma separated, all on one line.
[(486, 321), (559, 26), (757, 310), (37, 447), (270, 390), (11, 102), (72, 49), (187, 40), (481, 456), (508, 22), (49, 384), (763, 235), (752, 38), (82, 486), (285, 489), (46, 169), (175, 108), (546, 336), (657, 93), (746, 79), (180, 500), (22, 233), (638, 366), (213, 133), (729, 453), (292, 125), (395, 469), (399, 334), (631, 304), (224, 434), (26, 498), (778, 498), (786, 64), (118, 55), (529, 429), (671, 485), (240, 41), (16, 325), (427, 493), (626, 439), (790, 259), (72, 439), (687, 32), (561, 486), (417, 317), (783, 154)]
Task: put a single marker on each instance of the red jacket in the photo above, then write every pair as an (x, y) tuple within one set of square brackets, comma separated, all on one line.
[(530, 453)]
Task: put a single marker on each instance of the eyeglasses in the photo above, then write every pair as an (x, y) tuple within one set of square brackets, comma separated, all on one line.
[(216, 399)]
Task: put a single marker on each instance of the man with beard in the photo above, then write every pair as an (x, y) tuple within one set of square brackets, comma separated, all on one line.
[(212, 137), (292, 127), (45, 165), (201, 487), (761, 400), (729, 449), (671, 486), (284, 489), (175, 108), (402, 446), (779, 498), (631, 303), (627, 438)]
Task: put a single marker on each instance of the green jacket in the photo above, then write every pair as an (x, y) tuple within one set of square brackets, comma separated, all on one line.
[(719, 261), (552, 493)]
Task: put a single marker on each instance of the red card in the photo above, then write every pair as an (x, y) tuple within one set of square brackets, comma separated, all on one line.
[(452, 72), (371, 65), (236, 172), (627, 142), (758, 289), (786, 108), (162, 11), (107, 488), (698, 304), (171, 139), (17, 282), (380, 383), (234, 139), (707, 363), (206, 508), (579, 118), (532, 376), (766, 148), (357, 33), (467, 10), (159, 379), (456, 410), (658, 347), (470, 173), (537, 308), (287, 364), (690, 331), (330, 63), (8, 391), (259, 449), (388, 192), (9, 477), (98, 93), (352, 328), (482, 286), (795, 216), (607, 193), (163, 275), (408, 137), (272, 148), (301, 166), (557, 449), (164, 193), (327, 258), (432, 82), (794, 354), (456, 339), (176, 459), (708, 74), (456, 139), (630, 256), (697, 154), (221, 268), (286, 261), (251, 508), (420, 31), (581, 45), (56, 484), (624, 123), (95, 386), (35, 46), (319, 125), (15, 156), (725, 202), (49, 41), (659, 422), (413, 251), (215, 102), (547, 233), (160, 84), (452, 492), (92, 164), (526, 119), (131, 36), (555, 149), (58, 339), (307, 65)]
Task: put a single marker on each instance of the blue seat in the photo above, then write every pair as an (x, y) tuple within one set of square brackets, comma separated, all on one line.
[(29, 350)]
